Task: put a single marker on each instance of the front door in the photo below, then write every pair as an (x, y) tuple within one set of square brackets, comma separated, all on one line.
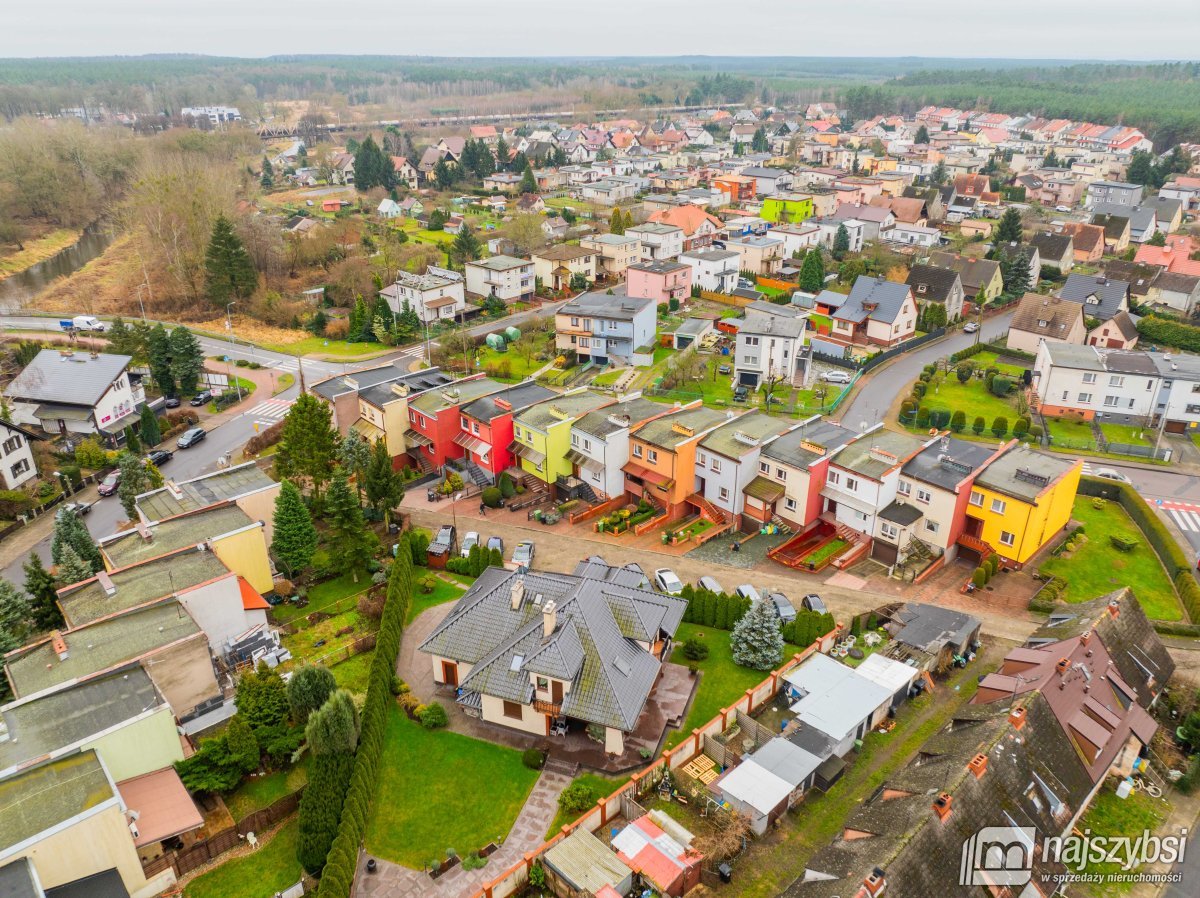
[(556, 692), (450, 673)]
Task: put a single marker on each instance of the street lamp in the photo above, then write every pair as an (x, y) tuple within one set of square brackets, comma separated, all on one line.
[(140, 287), (229, 327)]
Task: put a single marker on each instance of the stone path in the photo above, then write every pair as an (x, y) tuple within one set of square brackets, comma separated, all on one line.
[(395, 881)]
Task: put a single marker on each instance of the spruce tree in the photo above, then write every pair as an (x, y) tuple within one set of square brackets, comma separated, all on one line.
[(14, 617), (135, 480), (40, 587), (502, 154), (158, 345), (268, 174), (295, 537), (72, 568), (333, 727), (151, 433), (528, 181), (354, 454), (841, 242), (465, 247), (756, 641), (308, 442), (229, 271), (922, 135), (70, 531), (187, 359), (308, 689), (812, 272), (347, 531), (1009, 229), (383, 483)]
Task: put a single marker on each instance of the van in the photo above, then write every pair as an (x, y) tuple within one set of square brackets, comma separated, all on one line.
[(87, 323)]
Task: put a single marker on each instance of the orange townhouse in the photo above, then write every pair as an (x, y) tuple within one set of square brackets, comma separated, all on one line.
[(662, 457), (739, 187)]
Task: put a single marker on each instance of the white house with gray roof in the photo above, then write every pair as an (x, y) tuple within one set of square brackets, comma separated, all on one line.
[(729, 457), (877, 311), (770, 344), (600, 442), (533, 650), (504, 277), (67, 391), (436, 295), (607, 326)]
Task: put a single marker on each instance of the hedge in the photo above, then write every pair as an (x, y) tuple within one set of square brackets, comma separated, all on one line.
[(712, 609), (1170, 332), (342, 862)]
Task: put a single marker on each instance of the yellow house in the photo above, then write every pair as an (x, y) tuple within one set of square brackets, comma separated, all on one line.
[(1021, 501), (542, 433)]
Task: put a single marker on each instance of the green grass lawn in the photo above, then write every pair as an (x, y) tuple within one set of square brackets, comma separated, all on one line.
[(1070, 433), (282, 382), (1096, 568), (517, 367), (258, 792), (601, 786), (440, 790), (608, 378), (442, 593), (825, 552), (270, 869), (332, 596), (323, 346), (1111, 816), (1125, 433), (821, 321), (354, 673), (721, 681), (987, 360), (972, 399)]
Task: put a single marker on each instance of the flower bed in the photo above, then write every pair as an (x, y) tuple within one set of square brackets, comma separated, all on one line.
[(824, 554)]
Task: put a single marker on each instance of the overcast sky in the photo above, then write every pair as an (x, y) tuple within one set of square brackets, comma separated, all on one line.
[(1087, 29)]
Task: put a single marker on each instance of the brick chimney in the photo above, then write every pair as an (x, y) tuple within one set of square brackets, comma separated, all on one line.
[(1017, 718), (941, 805), (60, 645), (875, 882), (978, 765), (1114, 608), (518, 593)]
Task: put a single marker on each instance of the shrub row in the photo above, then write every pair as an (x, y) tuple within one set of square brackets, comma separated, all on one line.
[(1049, 595), (713, 609), (338, 875), (1170, 332), (807, 628)]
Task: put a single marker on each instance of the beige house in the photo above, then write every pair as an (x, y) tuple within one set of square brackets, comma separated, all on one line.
[(556, 266), (761, 255), (1048, 318), (614, 253)]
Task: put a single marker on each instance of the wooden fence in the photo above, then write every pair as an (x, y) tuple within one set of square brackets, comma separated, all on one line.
[(725, 298), (514, 879)]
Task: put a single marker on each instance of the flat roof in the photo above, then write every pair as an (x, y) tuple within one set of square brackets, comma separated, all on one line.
[(128, 547), (164, 807), (200, 492), (877, 452), (454, 394), (1023, 473), (561, 408), (46, 796), (678, 427)]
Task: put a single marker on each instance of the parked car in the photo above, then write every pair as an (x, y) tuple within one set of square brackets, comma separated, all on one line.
[(836, 377), (740, 393), (813, 602), (159, 457), (110, 484), (783, 606), (1062, 208), (665, 580), (523, 554), (970, 327), (80, 508), (191, 437), (710, 583), (746, 591), (469, 542), (723, 369), (202, 398), (495, 542), (1110, 474), (171, 401)]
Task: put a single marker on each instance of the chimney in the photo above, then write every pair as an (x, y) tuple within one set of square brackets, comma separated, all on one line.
[(1017, 718), (978, 765), (875, 883), (1063, 666), (1114, 608), (549, 618), (110, 588), (1086, 637), (60, 646), (144, 532), (518, 593), (941, 805)]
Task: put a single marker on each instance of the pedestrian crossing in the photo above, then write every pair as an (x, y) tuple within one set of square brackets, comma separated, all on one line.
[(289, 366), (1186, 515), (269, 411)]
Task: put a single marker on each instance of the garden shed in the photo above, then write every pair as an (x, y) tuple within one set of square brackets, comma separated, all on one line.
[(582, 863)]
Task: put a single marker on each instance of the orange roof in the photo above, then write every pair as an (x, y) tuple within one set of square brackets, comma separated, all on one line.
[(163, 805), (251, 600), (688, 217)]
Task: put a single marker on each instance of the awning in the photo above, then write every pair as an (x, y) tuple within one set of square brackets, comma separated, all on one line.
[(366, 429), (119, 424), (164, 808), (529, 453), (472, 444), (412, 437), (251, 600), (575, 457), (662, 481), (764, 490), (51, 412)]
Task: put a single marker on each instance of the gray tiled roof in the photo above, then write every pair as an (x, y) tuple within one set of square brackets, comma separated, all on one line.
[(519, 398), (77, 378), (788, 448), (886, 297), (1111, 295), (603, 422), (929, 627)]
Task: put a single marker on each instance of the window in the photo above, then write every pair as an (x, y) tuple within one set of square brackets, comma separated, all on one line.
[(12, 443), (421, 421), (749, 360), (932, 526), (543, 684), (20, 467), (724, 494), (834, 477), (512, 710), (998, 506), (781, 473), (462, 420), (924, 496), (889, 531), (1193, 409), (764, 468), (976, 498), (851, 483), (1116, 381), (716, 465), (904, 488), (752, 341), (1006, 538), (574, 439), (475, 427), (789, 504), (1111, 401), (1089, 378), (652, 455), (1066, 396), (574, 322), (587, 444), (637, 451), (1085, 397), (702, 458)]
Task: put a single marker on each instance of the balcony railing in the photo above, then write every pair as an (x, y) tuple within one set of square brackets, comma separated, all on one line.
[(554, 709)]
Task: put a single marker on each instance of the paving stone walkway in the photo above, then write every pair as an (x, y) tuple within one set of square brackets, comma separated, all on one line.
[(528, 832)]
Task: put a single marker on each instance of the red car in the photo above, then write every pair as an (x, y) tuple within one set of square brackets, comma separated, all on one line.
[(110, 484)]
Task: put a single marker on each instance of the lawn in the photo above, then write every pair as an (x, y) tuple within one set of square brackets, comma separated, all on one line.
[(496, 363), (354, 673), (721, 681), (972, 399), (985, 360), (442, 593), (1126, 433), (282, 382), (823, 553), (601, 786), (610, 377), (440, 790), (1096, 568), (267, 871), (322, 346), (1069, 433), (332, 596), (1111, 816), (258, 792)]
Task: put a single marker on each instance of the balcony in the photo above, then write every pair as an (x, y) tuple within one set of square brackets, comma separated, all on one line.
[(554, 709)]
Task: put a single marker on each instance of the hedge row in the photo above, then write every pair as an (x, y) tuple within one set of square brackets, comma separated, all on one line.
[(1170, 332), (338, 875), (1179, 568), (713, 609), (807, 628)]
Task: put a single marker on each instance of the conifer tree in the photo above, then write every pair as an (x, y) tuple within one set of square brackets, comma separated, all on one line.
[(151, 432), (347, 530), (70, 531), (841, 242), (187, 359), (383, 483), (40, 587), (528, 181), (308, 442), (756, 641), (1009, 229), (158, 344), (14, 617), (295, 537), (616, 224), (812, 272), (268, 174), (72, 568), (229, 271)]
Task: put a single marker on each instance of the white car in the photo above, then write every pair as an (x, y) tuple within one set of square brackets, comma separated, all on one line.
[(970, 327), (836, 377), (469, 541), (666, 581), (1062, 208), (523, 554), (1110, 474)]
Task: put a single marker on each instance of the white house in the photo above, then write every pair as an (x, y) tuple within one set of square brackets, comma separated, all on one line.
[(836, 700), (727, 459), (769, 345), (855, 229), (504, 277), (610, 191), (1087, 382), (715, 270), (389, 208), (72, 391), (615, 252), (911, 235), (864, 476), (604, 327), (16, 455), (797, 238), (658, 241), (437, 295), (600, 442)]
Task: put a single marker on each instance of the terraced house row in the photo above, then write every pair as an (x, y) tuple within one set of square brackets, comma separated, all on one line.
[(891, 495)]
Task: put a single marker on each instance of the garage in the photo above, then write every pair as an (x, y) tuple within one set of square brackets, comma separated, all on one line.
[(1176, 427), (748, 379)]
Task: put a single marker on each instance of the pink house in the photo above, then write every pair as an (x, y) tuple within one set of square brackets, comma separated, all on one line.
[(660, 281)]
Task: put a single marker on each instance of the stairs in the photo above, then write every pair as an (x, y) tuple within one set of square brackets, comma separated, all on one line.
[(477, 474), (781, 524), (917, 550), (587, 495), (421, 463), (975, 544), (707, 510)]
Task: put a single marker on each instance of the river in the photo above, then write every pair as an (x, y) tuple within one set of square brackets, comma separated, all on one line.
[(17, 289)]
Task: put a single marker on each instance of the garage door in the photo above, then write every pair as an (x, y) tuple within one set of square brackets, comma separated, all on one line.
[(1176, 427), (748, 378), (884, 552)]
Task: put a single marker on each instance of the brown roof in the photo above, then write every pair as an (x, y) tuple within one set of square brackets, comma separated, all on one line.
[(1059, 316), (1124, 323), (1086, 236), (163, 805), (564, 253)]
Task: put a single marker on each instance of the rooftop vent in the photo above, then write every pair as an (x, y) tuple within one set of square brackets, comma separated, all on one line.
[(622, 667), (105, 581), (745, 438), (1114, 608), (517, 594), (978, 765), (1024, 474), (144, 532), (549, 618)]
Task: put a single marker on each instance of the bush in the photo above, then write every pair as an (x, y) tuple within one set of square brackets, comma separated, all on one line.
[(89, 454), (978, 425), (508, 489), (533, 758), (1035, 432), (980, 577), (1123, 542), (492, 497), (922, 417), (992, 564), (1021, 428), (432, 716), (939, 418), (577, 798), (1000, 426), (918, 390), (695, 650), (958, 421), (182, 416), (1001, 386)]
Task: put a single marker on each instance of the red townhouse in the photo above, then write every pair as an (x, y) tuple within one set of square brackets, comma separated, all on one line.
[(434, 419), (486, 426)]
